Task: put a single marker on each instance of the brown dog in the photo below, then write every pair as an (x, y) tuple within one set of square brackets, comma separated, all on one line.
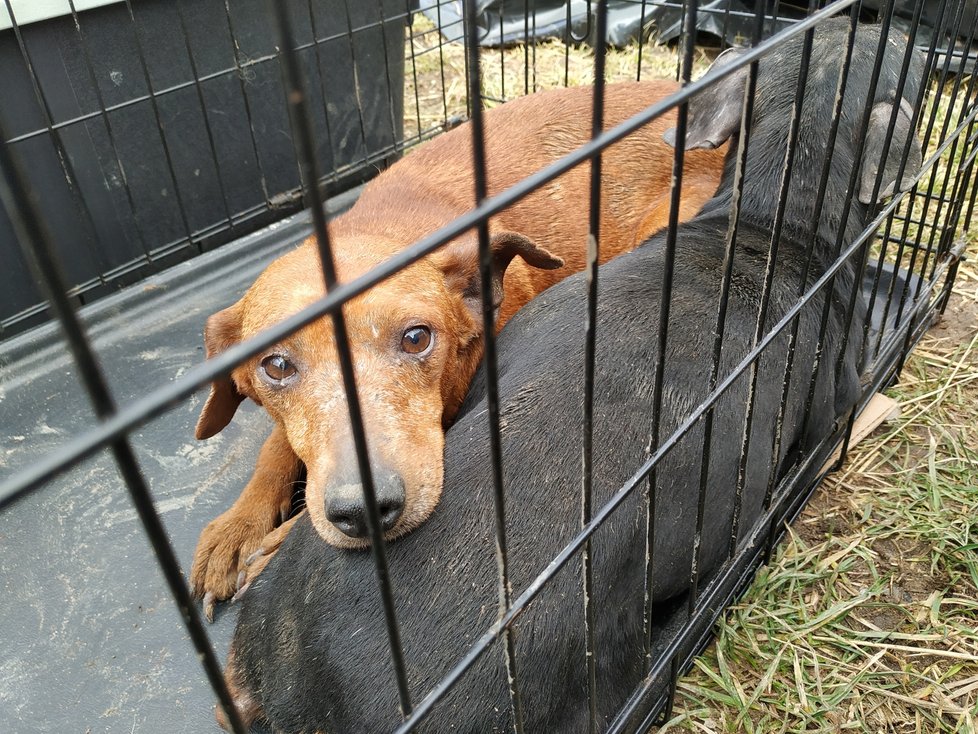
[(416, 338)]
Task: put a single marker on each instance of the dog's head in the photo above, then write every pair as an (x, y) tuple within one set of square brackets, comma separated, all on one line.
[(415, 339), (715, 114)]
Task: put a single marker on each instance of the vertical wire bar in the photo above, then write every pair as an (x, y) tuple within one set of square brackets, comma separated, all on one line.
[(489, 356), (927, 136), (526, 47), (961, 182), (356, 82), (203, 111), (772, 255), (665, 304), (36, 243), (244, 96), (888, 229), (322, 81), (387, 72), (641, 41), (502, 53), (912, 194), (100, 100), (974, 198), (441, 64), (762, 317), (933, 178), (414, 66), (567, 42), (54, 133), (841, 235), (159, 126), (775, 11), (466, 41), (942, 245), (726, 25), (964, 173), (733, 225), (307, 160), (887, 142), (533, 9), (590, 334), (810, 254)]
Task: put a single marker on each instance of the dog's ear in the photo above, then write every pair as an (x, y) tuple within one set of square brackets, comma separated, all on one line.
[(223, 330), (714, 113), (460, 263), (873, 153)]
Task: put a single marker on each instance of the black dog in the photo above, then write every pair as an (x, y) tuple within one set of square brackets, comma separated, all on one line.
[(310, 652)]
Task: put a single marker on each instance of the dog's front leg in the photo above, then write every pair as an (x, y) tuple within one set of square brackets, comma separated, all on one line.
[(230, 539)]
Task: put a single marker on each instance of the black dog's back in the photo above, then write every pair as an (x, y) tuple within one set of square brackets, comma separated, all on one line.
[(444, 574), (311, 646)]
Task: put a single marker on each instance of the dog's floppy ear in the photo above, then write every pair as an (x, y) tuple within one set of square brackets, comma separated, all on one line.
[(873, 158), (460, 263), (223, 330), (714, 113)]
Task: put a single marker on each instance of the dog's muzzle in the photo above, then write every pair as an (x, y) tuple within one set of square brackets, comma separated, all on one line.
[(346, 506)]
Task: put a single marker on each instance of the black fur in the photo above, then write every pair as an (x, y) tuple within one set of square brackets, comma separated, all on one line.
[(311, 644)]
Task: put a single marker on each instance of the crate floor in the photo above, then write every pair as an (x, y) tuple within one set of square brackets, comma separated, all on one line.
[(92, 641)]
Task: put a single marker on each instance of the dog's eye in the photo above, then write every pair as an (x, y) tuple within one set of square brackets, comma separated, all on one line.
[(417, 340), (277, 368)]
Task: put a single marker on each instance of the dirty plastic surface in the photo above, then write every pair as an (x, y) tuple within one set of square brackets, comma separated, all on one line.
[(91, 640)]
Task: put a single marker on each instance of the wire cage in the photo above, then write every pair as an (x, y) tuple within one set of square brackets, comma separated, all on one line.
[(139, 136)]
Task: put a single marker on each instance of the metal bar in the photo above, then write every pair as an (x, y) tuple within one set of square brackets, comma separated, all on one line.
[(526, 47), (743, 143), (441, 63), (27, 221), (917, 118), (322, 82), (590, 336), (414, 68), (665, 304), (844, 219), (641, 41), (240, 74), (885, 237), (810, 252), (307, 160), (64, 159), (203, 110), (387, 71), (181, 206), (899, 257), (927, 135), (770, 265), (100, 100), (477, 125)]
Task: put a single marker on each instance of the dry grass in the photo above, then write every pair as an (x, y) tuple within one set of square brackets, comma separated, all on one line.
[(866, 619), (435, 73)]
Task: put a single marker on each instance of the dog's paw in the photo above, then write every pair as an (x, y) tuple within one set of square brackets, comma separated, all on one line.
[(256, 562), (221, 552)]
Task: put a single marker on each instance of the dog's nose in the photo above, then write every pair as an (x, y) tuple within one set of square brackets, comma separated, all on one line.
[(346, 507)]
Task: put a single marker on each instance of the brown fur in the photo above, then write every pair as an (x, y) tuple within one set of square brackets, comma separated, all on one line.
[(407, 402)]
